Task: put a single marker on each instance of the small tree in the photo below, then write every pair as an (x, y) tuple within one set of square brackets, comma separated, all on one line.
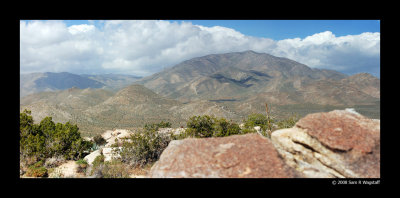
[(200, 126)]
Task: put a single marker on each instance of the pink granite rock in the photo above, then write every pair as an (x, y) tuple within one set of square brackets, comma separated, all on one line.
[(238, 156)]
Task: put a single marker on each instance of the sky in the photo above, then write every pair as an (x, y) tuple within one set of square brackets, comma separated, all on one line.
[(145, 47)]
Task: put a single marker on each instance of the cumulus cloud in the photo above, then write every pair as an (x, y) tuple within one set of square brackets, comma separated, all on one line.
[(145, 47)]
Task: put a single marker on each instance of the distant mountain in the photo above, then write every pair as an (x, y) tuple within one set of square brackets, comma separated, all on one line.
[(38, 82), (247, 80), (231, 75), (114, 81)]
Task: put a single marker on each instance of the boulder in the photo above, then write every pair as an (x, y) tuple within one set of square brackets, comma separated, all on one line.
[(109, 154), (340, 143), (69, 169), (237, 156), (90, 158)]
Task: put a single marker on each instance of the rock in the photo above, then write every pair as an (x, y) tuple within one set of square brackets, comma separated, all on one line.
[(237, 156), (107, 135), (90, 158), (109, 154), (339, 143), (67, 170), (115, 136)]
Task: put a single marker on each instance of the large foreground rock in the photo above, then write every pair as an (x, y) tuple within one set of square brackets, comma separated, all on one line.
[(238, 156), (339, 143)]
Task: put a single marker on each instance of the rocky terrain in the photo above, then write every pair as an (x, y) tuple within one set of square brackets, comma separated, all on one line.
[(337, 144)]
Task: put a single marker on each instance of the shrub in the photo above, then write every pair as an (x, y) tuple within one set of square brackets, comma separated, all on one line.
[(47, 139), (97, 165), (99, 140), (156, 126), (257, 119), (200, 126), (143, 147), (288, 123), (37, 170), (224, 128), (82, 165), (115, 169)]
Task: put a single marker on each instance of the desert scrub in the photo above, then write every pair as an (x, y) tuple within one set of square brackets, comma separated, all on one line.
[(143, 147), (82, 165), (156, 126), (257, 119), (288, 123), (37, 170), (99, 140), (97, 165), (115, 169)]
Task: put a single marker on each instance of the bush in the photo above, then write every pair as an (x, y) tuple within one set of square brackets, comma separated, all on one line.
[(97, 165), (257, 119), (156, 126), (37, 170), (143, 147), (47, 139), (82, 165), (99, 140), (224, 128), (115, 169), (206, 126), (288, 123), (200, 126)]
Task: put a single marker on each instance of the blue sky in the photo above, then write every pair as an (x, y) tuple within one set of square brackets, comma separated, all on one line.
[(146, 47), (280, 29)]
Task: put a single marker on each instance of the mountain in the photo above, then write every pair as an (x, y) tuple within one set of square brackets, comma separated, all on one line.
[(231, 85), (233, 74), (245, 81), (39, 82), (113, 81)]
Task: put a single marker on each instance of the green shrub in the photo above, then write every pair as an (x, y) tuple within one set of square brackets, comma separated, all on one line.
[(143, 147), (200, 126), (156, 126), (47, 139), (224, 128)]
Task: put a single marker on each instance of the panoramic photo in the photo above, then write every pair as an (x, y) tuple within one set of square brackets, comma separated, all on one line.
[(199, 99)]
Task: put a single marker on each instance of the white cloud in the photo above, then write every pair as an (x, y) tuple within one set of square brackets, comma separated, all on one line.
[(349, 53), (145, 47), (76, 29)]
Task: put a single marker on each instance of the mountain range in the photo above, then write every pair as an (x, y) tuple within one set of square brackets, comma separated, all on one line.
[(230, 85), (49, 81)]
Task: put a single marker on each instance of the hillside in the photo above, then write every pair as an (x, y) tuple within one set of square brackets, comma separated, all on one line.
[(245, 81), (97, 110)]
